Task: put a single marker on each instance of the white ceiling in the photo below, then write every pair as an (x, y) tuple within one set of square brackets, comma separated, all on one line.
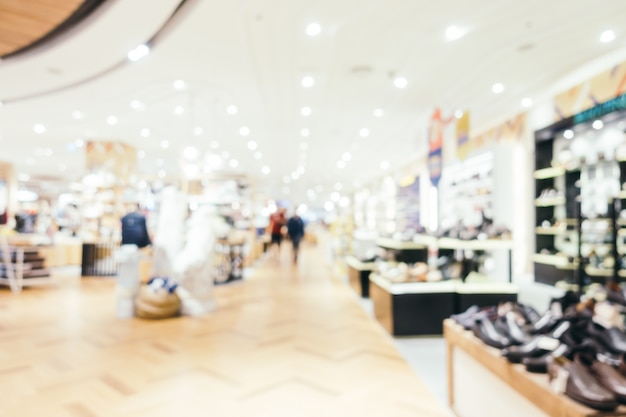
[(253, 54)]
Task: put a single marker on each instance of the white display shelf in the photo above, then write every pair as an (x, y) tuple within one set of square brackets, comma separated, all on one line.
[(549, 202), (399, 244), (361, 266), (550, 230), (551, 172), (397, 288), (555, 260), (488, 244), (598, 272)]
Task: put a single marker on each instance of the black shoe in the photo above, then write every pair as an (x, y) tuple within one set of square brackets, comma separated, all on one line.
[(539, 346), (612, 338), (485, 330)]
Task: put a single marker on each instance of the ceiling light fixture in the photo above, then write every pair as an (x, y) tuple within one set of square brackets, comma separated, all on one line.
[(141, 154), (338, 186), (161, 173), (346, 156), (597, 124), (233, 163), (179, 85), (214, 144), (308, 81), (137, 105), (77, 114), (568, 134), (145, 132), (244, 131), (112, 120), (497, 88), (304, 132), (458, 114), (304, 146), (252, 145), (400, 82), (329, 206), (190, 152), (165, 144), (313, 29), (258, 155), (286, 179), (384, 165), (527, 102), (379, 113), (341, 164), (265, 170), (198, 130), (141, 51), (232, 109), (79, 143), (344, 202), (364, 132), (39, 128), (179, 110), (607, 36), (306, 111), (454, 32)]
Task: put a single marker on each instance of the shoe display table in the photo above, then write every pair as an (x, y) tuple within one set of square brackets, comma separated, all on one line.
[(412, 308), (359, 275), (409, 251), (482, 383)]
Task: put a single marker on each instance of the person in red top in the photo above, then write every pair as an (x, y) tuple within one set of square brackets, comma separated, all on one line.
[(277, 221)]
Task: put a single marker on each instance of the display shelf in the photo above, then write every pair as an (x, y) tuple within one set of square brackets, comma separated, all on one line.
[(487, 244), (621, 273), (555, 260), (598, 272), (533, 388), (622, 195), (22, 266), (545, 173), (399, 244), (358, 275), (550, 230), (549, 202), (359, 265)]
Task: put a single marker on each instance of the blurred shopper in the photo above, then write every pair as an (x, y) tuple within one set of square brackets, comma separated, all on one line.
[(277, 222), (134, 229), (295, 230)]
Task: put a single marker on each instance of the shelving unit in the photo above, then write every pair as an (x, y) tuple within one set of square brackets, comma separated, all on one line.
[(22, 266)]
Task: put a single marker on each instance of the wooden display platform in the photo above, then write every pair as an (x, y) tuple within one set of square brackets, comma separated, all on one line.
[(533, 387), (359, 275)]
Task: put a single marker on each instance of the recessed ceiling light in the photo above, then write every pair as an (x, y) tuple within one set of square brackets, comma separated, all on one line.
[(137, 105), (400, 82), (79, 143), (265, 170), (232, 109), (308, 81), (607, 36), (364, 132), (335, 196), (77, 114), (300, 170), (344, 202), (112, 120), (179, 110), (384, 165), (454, 32), (458, 114), (295, 176), (341, 164), (161, 173), (346, 156), (39, 128), (233, 163), (305, 132), (568, 134), (304, 146), (139, 52), (306, 111), (597, 124), (141, 154), (145, 132), (258, 155), (165, 144), (329, 206), (190, 152), (214, 144), (179, 85), (497, 88), (379, 113), (198, 130), (313, 29), (252, 145), (527, 102), (244, 131)]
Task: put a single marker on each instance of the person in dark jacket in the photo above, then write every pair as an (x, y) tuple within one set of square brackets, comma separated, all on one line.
[(295, 230), (134, 230)]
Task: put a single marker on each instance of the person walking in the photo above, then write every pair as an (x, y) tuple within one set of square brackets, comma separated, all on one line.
[(277, 221), (295, 230), (134, 230)]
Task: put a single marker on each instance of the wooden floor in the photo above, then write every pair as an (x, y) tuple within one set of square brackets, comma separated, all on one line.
[(289, 341)]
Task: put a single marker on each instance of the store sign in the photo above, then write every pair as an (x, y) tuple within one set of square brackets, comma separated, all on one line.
[(616, 104), (463, 146), (435, 143)]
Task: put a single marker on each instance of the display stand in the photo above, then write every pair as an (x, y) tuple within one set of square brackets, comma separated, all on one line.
[(409, 251), (505, 389), (21, 266), (359, 275)]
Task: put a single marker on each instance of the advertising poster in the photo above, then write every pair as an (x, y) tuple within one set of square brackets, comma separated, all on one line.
[(463, 146)]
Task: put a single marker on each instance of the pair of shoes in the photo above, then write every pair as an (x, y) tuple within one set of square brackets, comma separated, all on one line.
[(485, 330), (588, 383), (540, 346)]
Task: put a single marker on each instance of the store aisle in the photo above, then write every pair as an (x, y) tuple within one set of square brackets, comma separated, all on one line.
[(289, 341)]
